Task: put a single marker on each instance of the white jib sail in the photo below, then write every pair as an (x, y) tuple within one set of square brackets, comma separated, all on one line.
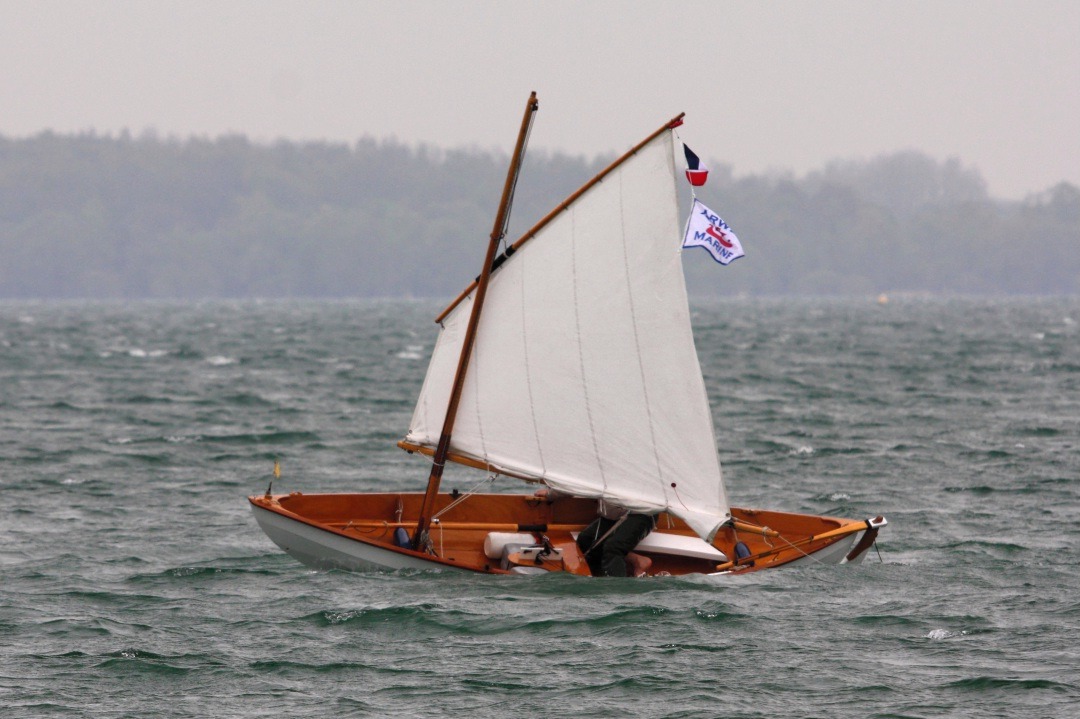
[(584, 372)]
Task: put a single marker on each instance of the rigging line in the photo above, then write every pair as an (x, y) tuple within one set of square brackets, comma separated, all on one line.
[(517, 174), (762, 527), (782, 538), (465, 495), (480, 422), (581, 351), (528, 373), (637, 346), (786, 541), (371, 530), (675, 488), (474, 371), (599, 540), (693, 192)]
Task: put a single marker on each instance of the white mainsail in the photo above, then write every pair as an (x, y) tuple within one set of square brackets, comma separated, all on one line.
[(584, 372)]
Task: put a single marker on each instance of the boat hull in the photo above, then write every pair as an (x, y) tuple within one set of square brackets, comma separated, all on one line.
[(356, 532), (321, 549)]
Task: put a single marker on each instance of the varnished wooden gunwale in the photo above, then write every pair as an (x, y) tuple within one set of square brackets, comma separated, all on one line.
[(372, 518)]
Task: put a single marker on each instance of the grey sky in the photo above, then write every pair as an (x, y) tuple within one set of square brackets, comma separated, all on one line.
[(766, 85)]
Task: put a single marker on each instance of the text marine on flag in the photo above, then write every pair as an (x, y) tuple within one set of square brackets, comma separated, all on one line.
[(707, 230)]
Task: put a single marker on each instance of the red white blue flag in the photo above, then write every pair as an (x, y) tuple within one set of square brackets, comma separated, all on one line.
[(696, 172), (707, 230)]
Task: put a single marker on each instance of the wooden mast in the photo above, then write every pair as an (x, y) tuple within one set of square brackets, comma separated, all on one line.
[(497, 234)]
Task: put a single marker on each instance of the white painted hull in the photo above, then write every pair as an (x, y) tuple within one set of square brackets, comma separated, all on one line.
[(321, 549)]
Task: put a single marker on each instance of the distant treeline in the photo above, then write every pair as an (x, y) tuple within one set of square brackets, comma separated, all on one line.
[(89, 216)]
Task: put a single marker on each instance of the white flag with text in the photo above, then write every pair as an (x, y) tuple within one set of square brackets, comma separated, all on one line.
[(707, 230)]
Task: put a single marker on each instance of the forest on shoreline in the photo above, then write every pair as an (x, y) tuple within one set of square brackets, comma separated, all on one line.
[(124, 217)]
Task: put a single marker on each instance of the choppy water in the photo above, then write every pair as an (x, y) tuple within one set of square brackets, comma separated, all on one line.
[(136, 584)]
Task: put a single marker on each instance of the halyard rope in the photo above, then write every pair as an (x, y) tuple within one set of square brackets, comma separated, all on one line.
[(465, 495)]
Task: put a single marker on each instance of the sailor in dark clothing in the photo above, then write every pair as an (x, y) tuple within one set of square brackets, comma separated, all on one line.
[(607, 545), (607, 542)]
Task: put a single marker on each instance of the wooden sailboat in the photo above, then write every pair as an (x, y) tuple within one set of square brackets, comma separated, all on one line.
[(569, 362)]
